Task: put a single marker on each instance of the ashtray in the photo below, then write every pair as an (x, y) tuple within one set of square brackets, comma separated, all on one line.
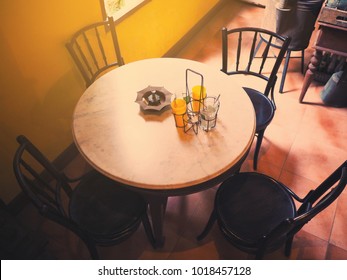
[(153, 98)]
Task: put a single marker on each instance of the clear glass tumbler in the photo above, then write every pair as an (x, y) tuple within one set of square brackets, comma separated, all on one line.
[(208, 113)]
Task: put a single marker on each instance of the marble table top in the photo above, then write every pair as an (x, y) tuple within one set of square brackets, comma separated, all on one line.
[(145, 149)]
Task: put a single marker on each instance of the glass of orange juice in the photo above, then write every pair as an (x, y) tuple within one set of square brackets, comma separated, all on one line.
[(179, 109), (198, 96)]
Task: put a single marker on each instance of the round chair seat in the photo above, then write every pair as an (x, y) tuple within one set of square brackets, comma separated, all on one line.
[(249, 206), (264, 109), (105, 210)]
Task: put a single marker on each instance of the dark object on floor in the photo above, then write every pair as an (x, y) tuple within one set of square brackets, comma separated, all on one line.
[(334, 92), (337, 4)]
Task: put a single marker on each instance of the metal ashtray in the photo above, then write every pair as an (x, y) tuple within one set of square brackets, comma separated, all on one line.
[(153, 98)]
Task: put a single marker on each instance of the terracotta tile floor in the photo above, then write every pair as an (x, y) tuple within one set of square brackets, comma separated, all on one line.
[(304, 143)]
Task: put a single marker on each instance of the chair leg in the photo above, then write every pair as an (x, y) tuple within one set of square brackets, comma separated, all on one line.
[(259, 255), (302, 61), (94, 253), (257, 148), (91, 248), (208, 226), (288, 246), (148, 230), (285, 68)]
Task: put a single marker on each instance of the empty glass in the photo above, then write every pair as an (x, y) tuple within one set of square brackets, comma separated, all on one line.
[(208, 113)]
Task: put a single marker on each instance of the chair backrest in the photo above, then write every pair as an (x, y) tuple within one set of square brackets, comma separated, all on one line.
[(325, 194), (239, 47), (315, 202), (41, 181), (95, 49)]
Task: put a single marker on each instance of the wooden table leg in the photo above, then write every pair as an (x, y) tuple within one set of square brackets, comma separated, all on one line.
[(312, 68), (157, 208)]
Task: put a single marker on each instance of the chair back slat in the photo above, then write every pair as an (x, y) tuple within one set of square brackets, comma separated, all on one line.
[(90, 49), (225, 48), (45, 195), (36, 177), (238, 52), (101, 46), (84, 60), (265, 54), (251, 53)]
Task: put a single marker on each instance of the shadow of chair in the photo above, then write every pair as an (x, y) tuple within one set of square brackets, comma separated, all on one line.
[(257, 213), (95, 49), (98, 210), (238, 49), (295, 19)]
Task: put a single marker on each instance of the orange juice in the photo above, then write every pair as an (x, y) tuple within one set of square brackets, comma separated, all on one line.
[(179, 108), (199, 94)]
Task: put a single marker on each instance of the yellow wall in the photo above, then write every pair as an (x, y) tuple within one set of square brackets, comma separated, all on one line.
[(40, 85)]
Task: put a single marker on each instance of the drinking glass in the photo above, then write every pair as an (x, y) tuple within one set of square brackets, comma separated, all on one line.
[(208, 113)]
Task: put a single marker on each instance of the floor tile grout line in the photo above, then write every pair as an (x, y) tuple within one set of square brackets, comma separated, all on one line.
[(293, 142)]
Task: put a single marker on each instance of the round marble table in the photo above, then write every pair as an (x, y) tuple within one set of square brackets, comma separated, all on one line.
[(144, 149)]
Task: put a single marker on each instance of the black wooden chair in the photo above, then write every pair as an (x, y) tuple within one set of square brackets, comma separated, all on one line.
[(97, 209), (257, 214), (95, 49), (238, 50)]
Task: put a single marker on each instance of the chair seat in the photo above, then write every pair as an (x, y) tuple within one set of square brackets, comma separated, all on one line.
[(249, 206), (105, 214), (264, 109)]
